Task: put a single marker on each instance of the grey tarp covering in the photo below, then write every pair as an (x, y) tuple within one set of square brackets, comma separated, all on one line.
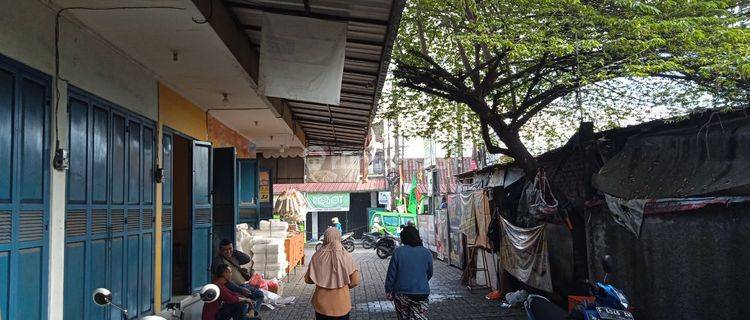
[(627, 213), (700, 160), (468, 216), (523, 253)]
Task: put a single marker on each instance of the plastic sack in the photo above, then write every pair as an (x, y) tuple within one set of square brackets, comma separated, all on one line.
[(268, 249), (265, 240), (273, 274), (270, 259), (279, 234), (273, 301), (257, 281), (538, 199), (273, 225), (273, 286), (517, 297), (244, 238)]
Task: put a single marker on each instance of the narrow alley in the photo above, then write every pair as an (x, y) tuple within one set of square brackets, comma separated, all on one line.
[(448, 298), (573, 158)]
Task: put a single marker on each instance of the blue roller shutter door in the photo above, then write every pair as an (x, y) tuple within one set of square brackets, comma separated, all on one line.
[(24, 180), (109, 212)]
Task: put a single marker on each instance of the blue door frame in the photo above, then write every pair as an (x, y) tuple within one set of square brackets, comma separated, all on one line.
[(225, 209), (24, 190), (109, 208), (202, 215), (166, 217), (247, 191)]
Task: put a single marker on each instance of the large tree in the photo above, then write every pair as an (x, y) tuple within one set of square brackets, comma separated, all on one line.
[(508, 60)]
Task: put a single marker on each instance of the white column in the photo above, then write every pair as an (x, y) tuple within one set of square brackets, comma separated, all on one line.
[(56, 276), (315, 225)]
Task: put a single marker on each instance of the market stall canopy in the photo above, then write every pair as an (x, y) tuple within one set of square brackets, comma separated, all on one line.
[(350, 187), (709, 158), (356, 41)]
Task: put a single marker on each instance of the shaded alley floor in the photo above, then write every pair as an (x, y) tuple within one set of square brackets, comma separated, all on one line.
[(449, 299)]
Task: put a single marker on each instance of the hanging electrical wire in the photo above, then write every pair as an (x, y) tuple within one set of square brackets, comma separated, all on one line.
[(59, 78)]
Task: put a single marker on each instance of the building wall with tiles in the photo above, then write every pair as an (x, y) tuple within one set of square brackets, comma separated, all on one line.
[(222, 136)]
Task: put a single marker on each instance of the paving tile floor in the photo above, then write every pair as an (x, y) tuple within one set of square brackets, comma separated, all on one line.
[(448, 299)]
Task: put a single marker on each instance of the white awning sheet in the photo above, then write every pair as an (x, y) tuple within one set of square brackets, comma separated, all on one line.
[(302, 58)]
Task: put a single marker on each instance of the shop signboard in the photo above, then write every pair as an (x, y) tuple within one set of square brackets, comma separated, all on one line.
[(384, 198), (264, 192), (320, 202)]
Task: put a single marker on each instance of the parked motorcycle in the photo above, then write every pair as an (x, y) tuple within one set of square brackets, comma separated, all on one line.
[(370, 240), (347, 240), (208, 293), (386, 245), (610, 303)]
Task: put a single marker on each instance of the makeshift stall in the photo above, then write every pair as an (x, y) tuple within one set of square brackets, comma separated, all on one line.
[(441, 234), (291, 206), (455, 241), (427, 231), (473, 218), (294, 246)]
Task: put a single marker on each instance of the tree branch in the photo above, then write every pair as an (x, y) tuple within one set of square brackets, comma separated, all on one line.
[(471, 72), (541, 101), (488, 143)]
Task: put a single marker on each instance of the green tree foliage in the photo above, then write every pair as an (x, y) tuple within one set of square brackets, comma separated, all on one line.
[(493, 68)]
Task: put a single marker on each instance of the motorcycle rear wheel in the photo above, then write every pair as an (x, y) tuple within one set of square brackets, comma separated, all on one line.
[(367, 244), (349, 246), (382, 252)]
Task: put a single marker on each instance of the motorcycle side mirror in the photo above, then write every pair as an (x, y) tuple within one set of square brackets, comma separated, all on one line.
[(102, 297), (209, 293), (607, 263)]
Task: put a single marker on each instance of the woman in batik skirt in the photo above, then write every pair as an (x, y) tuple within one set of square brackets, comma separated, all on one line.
[(407, 283)]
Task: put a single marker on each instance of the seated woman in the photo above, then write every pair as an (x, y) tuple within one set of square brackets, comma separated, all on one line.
[(230, 305)]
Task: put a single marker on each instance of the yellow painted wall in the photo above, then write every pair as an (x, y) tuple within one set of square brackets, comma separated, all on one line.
[(180, 114)]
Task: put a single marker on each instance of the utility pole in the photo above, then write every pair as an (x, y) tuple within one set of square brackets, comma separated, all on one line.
[(386, 131), (459, 122), (397, 160)]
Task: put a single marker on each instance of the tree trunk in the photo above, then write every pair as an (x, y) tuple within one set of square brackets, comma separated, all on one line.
[(523, 158)]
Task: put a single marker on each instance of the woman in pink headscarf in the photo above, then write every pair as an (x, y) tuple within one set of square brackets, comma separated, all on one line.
[(333, 272)]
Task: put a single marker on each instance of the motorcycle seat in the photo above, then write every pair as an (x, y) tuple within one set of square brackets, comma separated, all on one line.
[(539, 308)]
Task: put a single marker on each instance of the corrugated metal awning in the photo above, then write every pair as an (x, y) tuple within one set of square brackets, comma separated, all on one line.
[(329, 187), (371, 30)]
